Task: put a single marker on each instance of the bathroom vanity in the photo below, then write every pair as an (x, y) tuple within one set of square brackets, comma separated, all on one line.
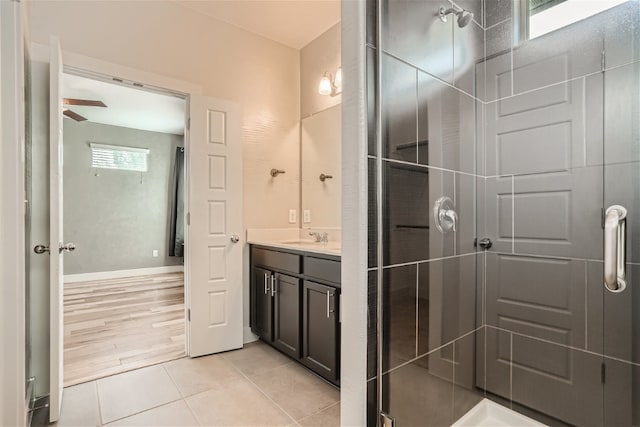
[(295, 303)]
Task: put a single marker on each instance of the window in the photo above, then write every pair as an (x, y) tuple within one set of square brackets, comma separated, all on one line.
[(121, 158), (546, 16)]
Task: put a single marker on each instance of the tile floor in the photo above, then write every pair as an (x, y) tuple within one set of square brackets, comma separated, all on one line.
[(255, 386)]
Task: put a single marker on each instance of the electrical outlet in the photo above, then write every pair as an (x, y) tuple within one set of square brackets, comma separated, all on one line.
[(292, 216), (306, 216), (155, 253)]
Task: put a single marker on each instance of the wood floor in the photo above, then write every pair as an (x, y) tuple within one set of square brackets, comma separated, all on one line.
[(113, 326)]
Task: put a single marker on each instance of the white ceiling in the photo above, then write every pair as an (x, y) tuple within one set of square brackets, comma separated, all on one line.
[(126, 107), (294, 23)]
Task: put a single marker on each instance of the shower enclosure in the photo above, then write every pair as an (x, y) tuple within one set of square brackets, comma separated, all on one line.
[(504, 210)]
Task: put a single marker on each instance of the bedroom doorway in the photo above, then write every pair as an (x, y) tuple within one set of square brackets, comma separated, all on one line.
[(123, 203)]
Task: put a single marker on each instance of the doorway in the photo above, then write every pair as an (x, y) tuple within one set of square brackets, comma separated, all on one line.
[(123, 210)]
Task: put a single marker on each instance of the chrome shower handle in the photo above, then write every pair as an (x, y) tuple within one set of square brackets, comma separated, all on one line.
[(614, 248)]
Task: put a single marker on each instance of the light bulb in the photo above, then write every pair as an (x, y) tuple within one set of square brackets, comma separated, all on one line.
[(338, 81), (325, 86)]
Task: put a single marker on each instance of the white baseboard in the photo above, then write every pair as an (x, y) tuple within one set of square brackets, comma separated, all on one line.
[(118, 274), (248, 336)]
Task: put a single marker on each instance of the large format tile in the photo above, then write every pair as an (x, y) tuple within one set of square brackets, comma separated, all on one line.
[(399, 315), (558, 381), (412, 31), (296, 390), (171, 414), (446, 125), (621, 393), (407, 212), (398, 100), (538, 297), (203, 373), (80, 406), (329, 417), (240, 403), (256, 357), (136, 391), (421, 393), (446, 301)]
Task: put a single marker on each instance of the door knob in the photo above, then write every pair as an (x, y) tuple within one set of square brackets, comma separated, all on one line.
[(235, 238), (41, 249), (69, 247)]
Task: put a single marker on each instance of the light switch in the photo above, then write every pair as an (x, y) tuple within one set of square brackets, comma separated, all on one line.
[(293, 217), (306, 216), (155, 253)]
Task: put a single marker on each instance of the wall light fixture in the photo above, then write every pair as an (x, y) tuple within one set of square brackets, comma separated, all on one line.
[(330, 85)]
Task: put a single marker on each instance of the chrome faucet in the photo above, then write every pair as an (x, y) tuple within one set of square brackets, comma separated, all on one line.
[(319, 237)]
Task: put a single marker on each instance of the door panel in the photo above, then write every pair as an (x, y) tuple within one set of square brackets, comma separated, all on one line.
[(56, 271), (320, 329), (286, 315), (214, 239)]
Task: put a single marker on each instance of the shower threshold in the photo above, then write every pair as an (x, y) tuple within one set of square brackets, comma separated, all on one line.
[(488, 413)]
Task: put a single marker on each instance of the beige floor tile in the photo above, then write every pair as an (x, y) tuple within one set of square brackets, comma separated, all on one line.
[(257, 357), (126, 394), (80, 406), (194, 376), (171, 414), (240, 403), (299, 392), (329, 417)]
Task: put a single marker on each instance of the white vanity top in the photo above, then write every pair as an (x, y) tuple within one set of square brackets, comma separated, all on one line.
[(290, 239)]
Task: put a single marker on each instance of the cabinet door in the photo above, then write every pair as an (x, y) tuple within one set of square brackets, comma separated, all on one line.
[(321, 332), (262, 303), (286, 315)]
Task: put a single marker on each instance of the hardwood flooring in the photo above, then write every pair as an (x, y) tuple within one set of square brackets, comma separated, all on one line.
[(113, 326)]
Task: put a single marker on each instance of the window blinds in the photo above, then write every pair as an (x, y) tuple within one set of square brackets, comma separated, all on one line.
[(118, 157)]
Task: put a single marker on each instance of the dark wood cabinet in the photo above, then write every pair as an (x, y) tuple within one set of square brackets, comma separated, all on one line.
[(286, 315), (321, 329), (295, 300), (261, 303)]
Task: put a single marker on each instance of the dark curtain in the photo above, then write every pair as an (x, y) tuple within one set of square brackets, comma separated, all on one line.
[(176, 235)]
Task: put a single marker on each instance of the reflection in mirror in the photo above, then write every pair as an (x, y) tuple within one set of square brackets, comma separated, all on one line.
[(321, 146)]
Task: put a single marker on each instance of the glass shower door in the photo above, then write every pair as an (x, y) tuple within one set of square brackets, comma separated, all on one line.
[(532, 134)]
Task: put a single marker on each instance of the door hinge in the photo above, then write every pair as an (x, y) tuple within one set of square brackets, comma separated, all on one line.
[(189, 123), (603, 373), (603, 60), (188, 315), (602, 215), (188, 218), (387, 420)]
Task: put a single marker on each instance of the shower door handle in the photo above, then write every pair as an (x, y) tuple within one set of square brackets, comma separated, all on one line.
[(614, 248)]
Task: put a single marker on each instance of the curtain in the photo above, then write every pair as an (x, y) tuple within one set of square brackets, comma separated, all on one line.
[(176, 234)]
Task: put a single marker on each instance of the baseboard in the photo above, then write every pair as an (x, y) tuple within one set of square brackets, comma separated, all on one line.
[(118, 274), (248, 336)]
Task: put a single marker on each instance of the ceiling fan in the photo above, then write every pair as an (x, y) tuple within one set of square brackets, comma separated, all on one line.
[(79, 102)]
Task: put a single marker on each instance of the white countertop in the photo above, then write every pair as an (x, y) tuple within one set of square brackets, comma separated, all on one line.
[(331, 248)]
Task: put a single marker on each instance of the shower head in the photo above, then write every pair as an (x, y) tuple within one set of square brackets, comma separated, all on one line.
[(464, 16)]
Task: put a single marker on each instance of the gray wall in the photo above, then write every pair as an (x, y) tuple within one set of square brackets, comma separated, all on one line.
[(115, 220)]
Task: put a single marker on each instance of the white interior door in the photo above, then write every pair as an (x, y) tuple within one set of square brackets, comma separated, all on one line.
[(56, 331), (215, 238)]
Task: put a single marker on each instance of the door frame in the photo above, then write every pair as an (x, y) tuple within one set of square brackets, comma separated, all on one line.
[(100, 70), (97, 69), (13, 400)]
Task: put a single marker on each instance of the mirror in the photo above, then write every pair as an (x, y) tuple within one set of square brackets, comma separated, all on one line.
[(320, 169)]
